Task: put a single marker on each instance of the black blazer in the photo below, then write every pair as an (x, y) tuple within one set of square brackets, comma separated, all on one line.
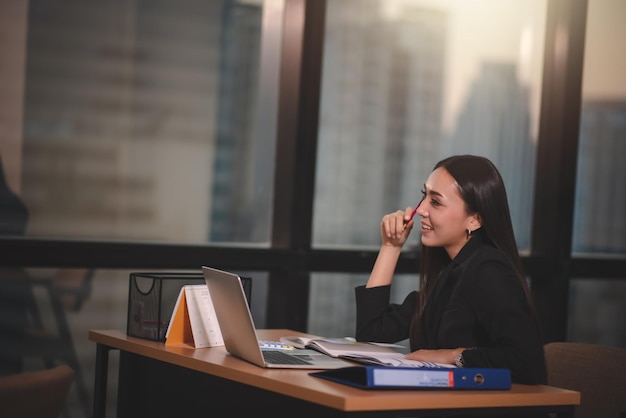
[(477, 301)]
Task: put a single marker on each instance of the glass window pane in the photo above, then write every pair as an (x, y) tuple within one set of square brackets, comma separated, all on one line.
[(597, 311), (140, 122), (406, 83), (599, 225), (332, 306)]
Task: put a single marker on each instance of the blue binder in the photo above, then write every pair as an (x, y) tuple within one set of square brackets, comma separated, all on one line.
[(382, 377)]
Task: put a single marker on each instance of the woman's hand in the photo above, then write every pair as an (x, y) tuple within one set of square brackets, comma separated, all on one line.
[(394, 234), (395, 227), (443, 356)]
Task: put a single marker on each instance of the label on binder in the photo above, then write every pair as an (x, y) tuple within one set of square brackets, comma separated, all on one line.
[(410, 378)]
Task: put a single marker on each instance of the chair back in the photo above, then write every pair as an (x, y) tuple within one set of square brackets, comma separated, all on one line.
[(35, 394), (598, 372)]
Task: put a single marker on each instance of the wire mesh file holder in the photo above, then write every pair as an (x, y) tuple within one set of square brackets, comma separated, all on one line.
[(152, 298)]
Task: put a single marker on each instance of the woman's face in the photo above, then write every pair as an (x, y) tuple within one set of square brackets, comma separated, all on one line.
[(444, 220)]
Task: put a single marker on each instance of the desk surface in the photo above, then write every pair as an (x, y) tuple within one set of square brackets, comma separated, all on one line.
[(298, 384)]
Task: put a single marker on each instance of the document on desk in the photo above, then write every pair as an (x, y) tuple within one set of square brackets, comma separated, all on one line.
[(337, 347), (395, 359), (379, 354), (382, 377), (194, 322)]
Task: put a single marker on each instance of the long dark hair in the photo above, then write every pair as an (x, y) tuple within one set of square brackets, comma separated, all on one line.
[(482, 189)]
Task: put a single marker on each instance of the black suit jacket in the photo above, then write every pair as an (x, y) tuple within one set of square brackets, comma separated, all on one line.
[(477, 301)]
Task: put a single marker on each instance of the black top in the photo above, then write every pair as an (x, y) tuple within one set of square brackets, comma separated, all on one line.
[(477, 301)]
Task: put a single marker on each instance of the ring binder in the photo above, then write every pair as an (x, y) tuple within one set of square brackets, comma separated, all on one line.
[(382, 377)]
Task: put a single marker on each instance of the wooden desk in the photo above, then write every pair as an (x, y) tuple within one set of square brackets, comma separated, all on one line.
[(156, 380)]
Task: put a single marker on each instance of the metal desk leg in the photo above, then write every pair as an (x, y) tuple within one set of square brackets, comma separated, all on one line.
[(567, 412), (100, 384)]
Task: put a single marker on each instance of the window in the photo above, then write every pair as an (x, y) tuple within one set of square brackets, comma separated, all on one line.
[(141, 122), (596, 305), (599, 225), (406, 83)]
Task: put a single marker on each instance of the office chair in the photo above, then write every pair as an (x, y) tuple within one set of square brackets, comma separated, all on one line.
[(35, 394), (598, 372), (57, 346)]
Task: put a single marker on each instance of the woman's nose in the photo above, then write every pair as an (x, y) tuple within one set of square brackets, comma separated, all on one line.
[(422, 209)]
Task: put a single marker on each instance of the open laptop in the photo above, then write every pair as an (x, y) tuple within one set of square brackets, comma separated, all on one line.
[(239, 333)]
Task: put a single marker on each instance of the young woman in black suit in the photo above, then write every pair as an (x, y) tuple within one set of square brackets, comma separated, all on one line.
[(473, 307)]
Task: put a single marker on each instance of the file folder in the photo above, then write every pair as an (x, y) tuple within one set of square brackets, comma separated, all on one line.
[(381, 377)]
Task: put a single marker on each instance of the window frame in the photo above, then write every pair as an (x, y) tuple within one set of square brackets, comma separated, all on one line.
[(290, 258)]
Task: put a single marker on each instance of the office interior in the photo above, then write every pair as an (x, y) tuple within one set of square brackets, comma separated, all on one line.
[(269, 137)]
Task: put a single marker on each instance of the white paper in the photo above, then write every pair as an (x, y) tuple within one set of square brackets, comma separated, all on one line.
[(204, 326)]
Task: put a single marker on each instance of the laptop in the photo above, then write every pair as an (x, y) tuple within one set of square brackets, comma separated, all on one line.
[(239, 333)]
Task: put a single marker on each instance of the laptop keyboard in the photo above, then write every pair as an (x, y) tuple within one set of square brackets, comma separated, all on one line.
[(280, 357)]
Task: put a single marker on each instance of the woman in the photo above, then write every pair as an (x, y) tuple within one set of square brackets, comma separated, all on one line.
[(473, 308)]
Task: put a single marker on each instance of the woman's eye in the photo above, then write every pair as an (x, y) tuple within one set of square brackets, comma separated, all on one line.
[(434, 202)]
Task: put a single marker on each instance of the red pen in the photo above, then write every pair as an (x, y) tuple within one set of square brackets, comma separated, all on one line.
[(412, 215)]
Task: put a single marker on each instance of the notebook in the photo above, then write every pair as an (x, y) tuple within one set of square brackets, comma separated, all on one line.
[(239, 333)]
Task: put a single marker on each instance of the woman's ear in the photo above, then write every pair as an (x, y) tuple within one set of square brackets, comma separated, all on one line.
[(475, 222)]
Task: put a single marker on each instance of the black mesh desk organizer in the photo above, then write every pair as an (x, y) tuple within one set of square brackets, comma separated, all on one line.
[(152, 297)]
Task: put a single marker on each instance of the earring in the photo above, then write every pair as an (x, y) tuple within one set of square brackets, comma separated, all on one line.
[(469, 233)]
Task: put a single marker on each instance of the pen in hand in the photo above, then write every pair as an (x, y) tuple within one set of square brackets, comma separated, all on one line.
[(412, 215)]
